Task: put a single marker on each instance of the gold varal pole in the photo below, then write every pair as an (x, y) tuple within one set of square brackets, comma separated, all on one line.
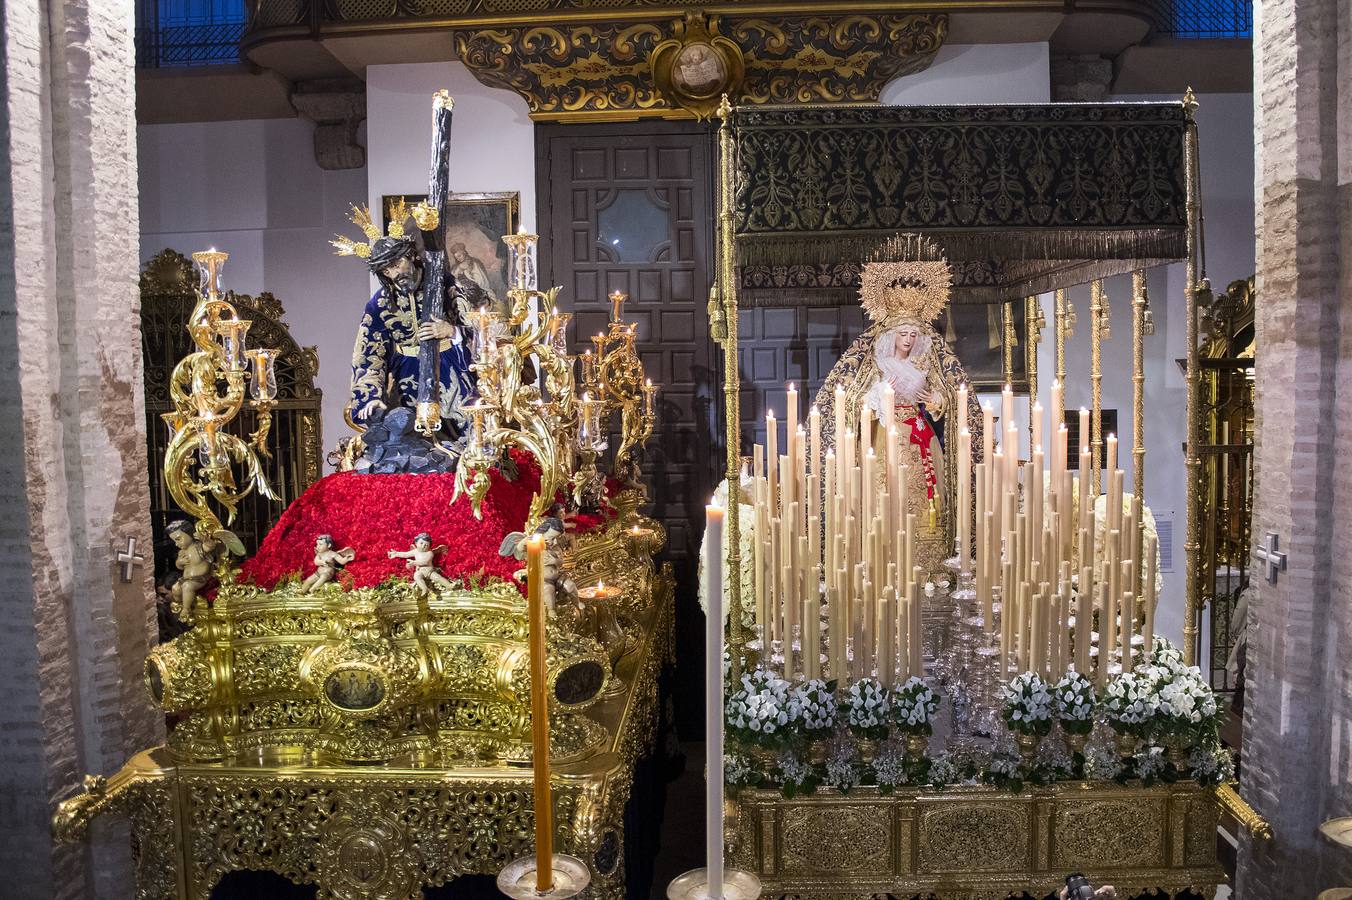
[(1062, 327), (1138, 331), (1193, 463), (1033, 324), (1097, 309), (1007, 345), (727, 279)]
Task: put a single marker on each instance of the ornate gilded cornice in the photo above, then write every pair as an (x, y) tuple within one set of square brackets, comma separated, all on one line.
[(585, 70)]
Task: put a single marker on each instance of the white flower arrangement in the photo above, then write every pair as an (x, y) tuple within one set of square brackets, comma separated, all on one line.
[(945, 769), (1164, 653), (1212, 763), (868, 709), (762, 710), (1074, 697), (889, 769), (1186, 708), (842, 769), (913, 706), (792, 769), (1129, 703), (738, 769), (1150, 763), (816, 701), (1102, 762), (1027, 704)]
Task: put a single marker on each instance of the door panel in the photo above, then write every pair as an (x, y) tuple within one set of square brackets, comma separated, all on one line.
[(629, 208)]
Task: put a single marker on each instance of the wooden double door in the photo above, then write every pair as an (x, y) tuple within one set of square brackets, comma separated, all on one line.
[(629, 207)]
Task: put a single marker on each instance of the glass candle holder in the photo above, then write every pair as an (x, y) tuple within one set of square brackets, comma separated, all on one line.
[(649, 398), (263, 374), (210, 264), (521, 260), (588, 368), (617, 299), (232, 333), (558, 331)]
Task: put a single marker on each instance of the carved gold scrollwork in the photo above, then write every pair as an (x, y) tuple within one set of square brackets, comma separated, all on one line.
[(680, 68)]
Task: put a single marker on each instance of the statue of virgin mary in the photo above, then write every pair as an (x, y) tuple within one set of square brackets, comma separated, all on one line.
[(902, 349)]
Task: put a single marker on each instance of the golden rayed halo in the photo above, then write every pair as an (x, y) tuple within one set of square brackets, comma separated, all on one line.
[(917, 289), (361, 217)]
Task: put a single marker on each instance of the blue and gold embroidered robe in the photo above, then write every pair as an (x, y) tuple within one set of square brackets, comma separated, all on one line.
[(385, 363)]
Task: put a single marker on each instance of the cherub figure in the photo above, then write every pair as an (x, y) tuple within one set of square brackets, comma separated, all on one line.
[(194, 562), (328, 563), (422, 560), (556, 585)]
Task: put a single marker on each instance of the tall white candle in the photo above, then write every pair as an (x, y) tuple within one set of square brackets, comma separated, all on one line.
[(772, 459), (713, 697)]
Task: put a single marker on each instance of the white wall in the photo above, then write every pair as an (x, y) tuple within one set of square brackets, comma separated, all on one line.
[(253, 189), (976, 73), (492, 137)]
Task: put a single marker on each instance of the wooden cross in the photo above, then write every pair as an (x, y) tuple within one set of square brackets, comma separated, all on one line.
[(1270, 556)]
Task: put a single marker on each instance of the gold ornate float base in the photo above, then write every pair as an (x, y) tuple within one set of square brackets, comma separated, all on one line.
[(978, 842), (382, 832)]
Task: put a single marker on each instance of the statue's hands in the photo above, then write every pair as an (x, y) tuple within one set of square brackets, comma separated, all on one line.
[(435, 330), (929, 398)]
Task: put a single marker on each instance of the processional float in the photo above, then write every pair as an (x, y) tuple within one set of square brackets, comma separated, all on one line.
[(1073, 738), (417, 676)]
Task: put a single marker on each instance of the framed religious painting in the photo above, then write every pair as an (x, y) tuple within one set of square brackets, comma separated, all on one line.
[(976, 332), (472, 230)]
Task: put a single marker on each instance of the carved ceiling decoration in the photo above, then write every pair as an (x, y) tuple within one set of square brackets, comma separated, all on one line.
[(678, 68)]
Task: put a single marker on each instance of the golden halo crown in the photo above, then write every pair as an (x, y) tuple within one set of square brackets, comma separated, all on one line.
[(915, 289), (361, 217)]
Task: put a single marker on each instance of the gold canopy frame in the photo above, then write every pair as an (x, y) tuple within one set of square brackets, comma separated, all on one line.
[(1059, 258), (755, 831)]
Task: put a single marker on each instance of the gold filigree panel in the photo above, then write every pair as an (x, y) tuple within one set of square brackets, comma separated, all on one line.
[(570, 71), (855, 839), (975, 836), (1110, 833)]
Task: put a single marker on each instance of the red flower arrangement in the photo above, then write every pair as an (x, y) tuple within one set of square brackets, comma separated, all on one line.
[(374, 514)]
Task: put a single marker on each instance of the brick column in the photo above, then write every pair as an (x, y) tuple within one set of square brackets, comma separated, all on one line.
[(1297, 731), (72, 435)]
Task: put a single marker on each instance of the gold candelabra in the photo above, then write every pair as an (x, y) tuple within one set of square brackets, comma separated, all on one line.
[(207, 389), (528, 393)]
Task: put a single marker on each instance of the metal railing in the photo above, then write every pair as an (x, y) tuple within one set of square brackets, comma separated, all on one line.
[(1208, 19), (171, 33)]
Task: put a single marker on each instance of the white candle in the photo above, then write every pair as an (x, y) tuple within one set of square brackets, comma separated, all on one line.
[(1112, 452), (964, 510), (772, 459), (1007, 407), (889, 411), (1035, 420), (1148, 595), (713, 697)]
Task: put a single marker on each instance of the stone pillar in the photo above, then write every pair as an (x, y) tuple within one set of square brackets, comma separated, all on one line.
[(1297, 730), (73, 466)]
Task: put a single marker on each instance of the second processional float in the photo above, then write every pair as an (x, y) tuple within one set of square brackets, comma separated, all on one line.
[(944, 677)]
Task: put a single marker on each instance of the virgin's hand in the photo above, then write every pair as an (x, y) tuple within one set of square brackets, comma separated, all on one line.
[(435, 330)]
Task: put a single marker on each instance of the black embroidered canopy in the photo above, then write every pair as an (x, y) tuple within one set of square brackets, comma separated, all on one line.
[(1022, 198)]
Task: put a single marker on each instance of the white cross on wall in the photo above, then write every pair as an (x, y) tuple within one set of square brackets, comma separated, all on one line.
[(129, 559), (1270, 556)]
